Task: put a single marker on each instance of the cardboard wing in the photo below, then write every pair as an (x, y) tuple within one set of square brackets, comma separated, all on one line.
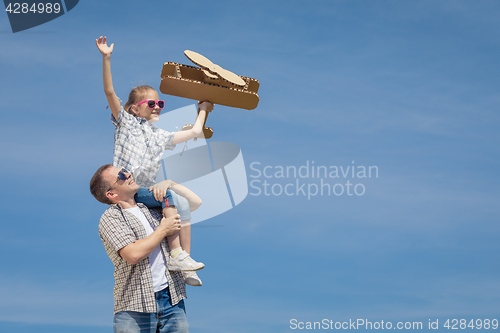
[(209, 83)]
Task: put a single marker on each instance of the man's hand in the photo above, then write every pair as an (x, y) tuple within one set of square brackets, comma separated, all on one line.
[(172, 224), (160, 189), (103, 47), (141, 248)]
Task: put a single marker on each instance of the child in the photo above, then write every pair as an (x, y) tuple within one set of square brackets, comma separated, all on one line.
[(139, 148)]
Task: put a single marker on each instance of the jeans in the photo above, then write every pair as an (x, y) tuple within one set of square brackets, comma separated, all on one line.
[(144, 196), (182, 205), (168, 318)]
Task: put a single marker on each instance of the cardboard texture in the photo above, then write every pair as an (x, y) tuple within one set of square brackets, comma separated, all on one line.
[(214, 69), (209, 83)]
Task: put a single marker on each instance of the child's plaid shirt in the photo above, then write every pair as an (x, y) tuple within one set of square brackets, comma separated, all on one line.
[(139, 147)]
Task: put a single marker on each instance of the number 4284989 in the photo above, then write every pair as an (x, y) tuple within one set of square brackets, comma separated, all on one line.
[(35, 8), (486, 324)]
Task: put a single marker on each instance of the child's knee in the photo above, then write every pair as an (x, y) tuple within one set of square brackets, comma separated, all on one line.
[(169, 211)]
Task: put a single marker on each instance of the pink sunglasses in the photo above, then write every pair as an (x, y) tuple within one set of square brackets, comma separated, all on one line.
[(152, 103)]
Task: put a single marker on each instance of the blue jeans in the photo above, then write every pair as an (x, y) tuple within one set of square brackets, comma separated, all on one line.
[(144, 196), (182, 205), (168, 318)]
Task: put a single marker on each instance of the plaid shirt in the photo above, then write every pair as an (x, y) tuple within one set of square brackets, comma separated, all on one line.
[(139, 147), (133, 289)]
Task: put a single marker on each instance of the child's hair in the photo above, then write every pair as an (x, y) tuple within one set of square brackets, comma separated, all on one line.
[(135, 96)]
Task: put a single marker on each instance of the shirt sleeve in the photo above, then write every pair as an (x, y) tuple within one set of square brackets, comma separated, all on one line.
[(116, 232), (165, 138), (123, 117)]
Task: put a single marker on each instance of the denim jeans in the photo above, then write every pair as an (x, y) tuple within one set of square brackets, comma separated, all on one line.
[(144, 196), (182, 205), (168, 318)]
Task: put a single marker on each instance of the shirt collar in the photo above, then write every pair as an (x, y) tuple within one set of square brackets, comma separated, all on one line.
[(119, 207)]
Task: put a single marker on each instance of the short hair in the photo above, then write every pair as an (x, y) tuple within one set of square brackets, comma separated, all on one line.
[(99, 186)]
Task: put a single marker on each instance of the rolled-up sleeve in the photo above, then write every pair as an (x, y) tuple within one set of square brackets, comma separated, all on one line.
[(166, 138)]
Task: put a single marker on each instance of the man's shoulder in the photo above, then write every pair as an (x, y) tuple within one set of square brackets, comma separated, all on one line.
[(112, 214), (113, 210)]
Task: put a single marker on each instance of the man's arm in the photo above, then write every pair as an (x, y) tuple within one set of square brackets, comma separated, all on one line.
[(140, 249)]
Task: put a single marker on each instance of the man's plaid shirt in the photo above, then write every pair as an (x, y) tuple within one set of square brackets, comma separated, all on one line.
[(133, 283), (139, 147)]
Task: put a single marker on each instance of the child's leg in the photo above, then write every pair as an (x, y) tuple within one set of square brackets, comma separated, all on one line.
[(183, 209), (172, 240), (190, 278), (147, 197), (185, 235), (180, 259)]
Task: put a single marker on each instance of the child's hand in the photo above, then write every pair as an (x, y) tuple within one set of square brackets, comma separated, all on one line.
[(160, 189), (205, 106), (103, 48)]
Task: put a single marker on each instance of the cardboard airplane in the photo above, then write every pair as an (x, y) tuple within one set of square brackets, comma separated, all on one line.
[(209, 82)]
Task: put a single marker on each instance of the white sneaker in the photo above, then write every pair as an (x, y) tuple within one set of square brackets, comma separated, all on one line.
[(191, 278), (183, 262)]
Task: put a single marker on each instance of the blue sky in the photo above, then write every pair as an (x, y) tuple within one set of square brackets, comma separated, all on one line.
[(408, 86)]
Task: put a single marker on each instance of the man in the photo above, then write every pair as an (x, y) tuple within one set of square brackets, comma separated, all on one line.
[(147, 296)]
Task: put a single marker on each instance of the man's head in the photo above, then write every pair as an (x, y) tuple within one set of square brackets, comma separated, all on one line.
[(111, 185)]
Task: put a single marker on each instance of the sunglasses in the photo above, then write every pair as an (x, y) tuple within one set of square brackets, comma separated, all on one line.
[(152, 103), (121, 176)]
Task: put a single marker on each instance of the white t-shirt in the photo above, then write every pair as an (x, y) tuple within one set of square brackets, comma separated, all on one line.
[(156, 260)]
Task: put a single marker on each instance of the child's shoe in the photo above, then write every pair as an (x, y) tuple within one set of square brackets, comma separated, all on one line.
[(191, 278), (183, 262)]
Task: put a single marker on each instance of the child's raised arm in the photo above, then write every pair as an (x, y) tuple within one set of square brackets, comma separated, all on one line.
[(114, 102), (205, 108)]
